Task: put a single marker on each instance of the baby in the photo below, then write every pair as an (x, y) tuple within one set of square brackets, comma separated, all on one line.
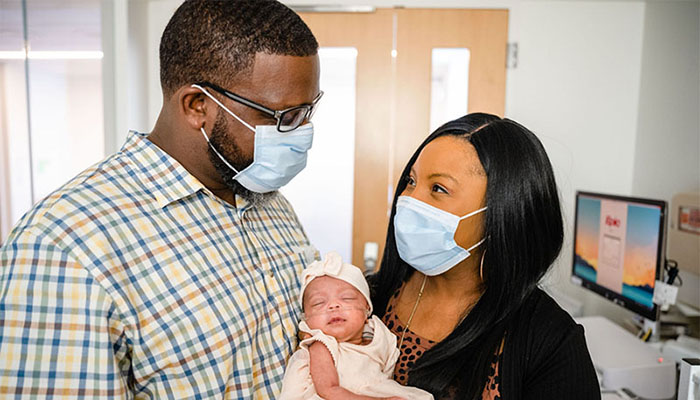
[(347, 353)]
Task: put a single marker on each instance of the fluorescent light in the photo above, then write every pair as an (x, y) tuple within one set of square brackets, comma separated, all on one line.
[(52, 55)]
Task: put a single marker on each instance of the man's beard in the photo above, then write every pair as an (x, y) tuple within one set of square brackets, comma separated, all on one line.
[(234, 155)]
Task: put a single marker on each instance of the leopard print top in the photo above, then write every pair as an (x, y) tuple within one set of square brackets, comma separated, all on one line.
[(414, 346)]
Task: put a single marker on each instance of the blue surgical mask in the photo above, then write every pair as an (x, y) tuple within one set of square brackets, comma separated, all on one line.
[(277, 158), (425, 236)]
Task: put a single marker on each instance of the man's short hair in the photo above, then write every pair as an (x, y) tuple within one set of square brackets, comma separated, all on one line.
[(216, 40)]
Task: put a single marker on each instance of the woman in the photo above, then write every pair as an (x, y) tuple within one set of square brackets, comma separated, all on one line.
[(473, 323)]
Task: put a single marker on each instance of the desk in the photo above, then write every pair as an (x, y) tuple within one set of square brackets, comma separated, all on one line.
[(624, 361)]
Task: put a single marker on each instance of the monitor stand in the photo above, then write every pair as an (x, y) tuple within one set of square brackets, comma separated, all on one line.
[(654, 326), (624, 361)]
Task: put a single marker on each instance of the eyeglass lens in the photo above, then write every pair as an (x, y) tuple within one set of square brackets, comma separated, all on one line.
[(291, 119)]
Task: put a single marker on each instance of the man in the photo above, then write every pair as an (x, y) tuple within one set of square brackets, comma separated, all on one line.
[(171, 269)]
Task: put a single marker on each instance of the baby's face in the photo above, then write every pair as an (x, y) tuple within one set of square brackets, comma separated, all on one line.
[(336, 308)]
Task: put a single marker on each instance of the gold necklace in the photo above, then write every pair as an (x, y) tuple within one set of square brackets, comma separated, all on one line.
[(415, 306)]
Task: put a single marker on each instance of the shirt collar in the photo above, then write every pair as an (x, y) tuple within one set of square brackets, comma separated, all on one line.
[(242, 205), (165, 176)]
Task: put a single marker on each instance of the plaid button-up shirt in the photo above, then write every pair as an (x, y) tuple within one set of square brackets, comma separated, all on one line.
[(134, 281)]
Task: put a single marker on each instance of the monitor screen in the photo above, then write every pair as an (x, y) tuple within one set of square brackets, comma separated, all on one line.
[(618, 248)]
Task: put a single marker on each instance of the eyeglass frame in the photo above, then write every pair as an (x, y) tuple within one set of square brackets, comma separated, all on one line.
[(277, 114)]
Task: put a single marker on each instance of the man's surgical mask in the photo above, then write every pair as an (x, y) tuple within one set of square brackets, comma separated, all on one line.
[(425, 236), (277, 157)]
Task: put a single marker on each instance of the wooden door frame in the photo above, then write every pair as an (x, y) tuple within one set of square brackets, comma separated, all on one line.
[(392, 45)]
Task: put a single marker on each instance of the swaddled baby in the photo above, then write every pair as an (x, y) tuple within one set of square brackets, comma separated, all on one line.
[(347, 352)]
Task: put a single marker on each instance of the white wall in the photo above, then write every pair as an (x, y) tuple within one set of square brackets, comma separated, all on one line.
[(668, 137), (17, 141), (612, 90), (138, 84), (668, 142), (159, 13), (577, 87), (115, 76), (610, 87)]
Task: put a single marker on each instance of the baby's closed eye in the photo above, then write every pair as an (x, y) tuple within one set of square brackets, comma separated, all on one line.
[(317, 303)]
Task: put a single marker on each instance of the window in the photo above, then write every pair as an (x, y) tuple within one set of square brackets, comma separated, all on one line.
[(50, 99), (449, 92)]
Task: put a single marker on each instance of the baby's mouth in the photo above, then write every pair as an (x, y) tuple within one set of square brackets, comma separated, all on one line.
[(336, 320)]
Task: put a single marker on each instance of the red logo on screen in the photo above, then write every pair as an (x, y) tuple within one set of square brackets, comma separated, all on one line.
[(610, 221)]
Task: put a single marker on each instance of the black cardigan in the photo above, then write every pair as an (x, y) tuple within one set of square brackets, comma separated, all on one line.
[(545, 355)]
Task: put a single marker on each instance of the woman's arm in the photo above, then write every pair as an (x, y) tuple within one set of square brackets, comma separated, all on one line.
[(568, 373), (325, 376)]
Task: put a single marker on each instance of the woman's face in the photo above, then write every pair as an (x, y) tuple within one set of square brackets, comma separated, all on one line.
[(448, 175)]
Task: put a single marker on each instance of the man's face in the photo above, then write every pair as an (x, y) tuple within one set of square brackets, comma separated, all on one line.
[(277, 82), (220, 139)]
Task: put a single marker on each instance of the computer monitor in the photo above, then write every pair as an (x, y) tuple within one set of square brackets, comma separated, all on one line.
[(619, 249)]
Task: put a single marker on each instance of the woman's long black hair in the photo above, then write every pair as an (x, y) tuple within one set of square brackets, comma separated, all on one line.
[(524, 233)]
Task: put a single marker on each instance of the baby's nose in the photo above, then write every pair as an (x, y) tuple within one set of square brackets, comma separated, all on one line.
[(333, 305)]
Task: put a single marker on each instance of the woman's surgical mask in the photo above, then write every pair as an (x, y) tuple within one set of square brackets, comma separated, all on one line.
[(277, 158), (425, 236)]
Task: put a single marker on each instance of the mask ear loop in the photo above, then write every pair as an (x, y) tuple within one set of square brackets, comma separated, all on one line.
[(477, 244), (481, 267), (206, 137), (473, 213), (217, 152), (247, 125)]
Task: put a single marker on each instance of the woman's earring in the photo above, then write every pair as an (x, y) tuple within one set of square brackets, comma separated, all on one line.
[(481, 267)]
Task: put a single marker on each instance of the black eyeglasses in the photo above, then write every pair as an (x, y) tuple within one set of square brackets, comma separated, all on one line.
[(288, 119)]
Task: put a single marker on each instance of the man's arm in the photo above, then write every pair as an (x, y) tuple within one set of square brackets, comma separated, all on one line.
[(59, 331), (325, 376)]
